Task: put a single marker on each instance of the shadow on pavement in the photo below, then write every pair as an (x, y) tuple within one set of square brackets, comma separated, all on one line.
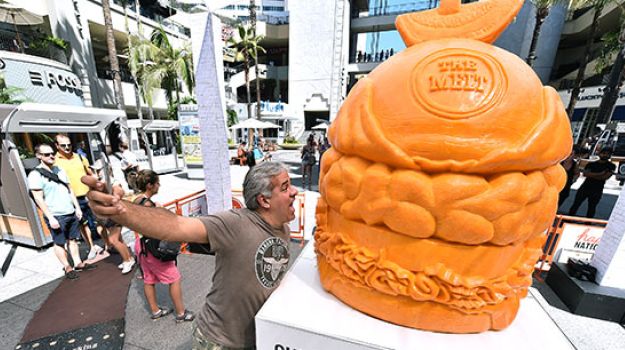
[(604, 209)]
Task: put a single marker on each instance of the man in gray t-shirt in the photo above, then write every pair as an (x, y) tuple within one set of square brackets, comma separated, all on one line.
[(250, 246)]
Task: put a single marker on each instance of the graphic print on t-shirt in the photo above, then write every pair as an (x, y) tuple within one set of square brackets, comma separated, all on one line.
[(271, 260)]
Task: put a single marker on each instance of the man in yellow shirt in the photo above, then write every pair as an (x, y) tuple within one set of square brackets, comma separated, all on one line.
[(76, 166)]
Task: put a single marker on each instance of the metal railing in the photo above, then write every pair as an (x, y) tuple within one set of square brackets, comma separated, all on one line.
[(554, 236), (273, 19), (297, 227), (367, 57), (106, 73), (396, 9), (9, 43)]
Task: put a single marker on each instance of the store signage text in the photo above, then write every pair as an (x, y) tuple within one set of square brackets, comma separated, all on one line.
[(578, 241), (271, 107), (587, 241), (63, 82), (598, 97)]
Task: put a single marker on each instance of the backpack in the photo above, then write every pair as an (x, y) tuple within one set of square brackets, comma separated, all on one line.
[(52, 177), (160, 249)]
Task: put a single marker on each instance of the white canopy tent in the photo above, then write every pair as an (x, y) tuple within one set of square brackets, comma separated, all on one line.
[(252, 123), (321, 126)]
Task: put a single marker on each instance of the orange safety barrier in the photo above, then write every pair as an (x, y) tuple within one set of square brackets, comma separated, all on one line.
[(297, 232), (554, 235), (298, 235), (236, 204), (178, 203), (176, 206)]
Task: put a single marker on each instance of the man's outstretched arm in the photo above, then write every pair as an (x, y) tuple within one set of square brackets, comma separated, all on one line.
[(153, 222)]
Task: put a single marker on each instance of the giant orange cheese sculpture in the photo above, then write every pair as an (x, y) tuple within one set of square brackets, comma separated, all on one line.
[(443, 176)]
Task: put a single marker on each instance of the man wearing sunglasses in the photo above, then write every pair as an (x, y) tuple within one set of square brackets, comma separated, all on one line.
[(52, 194), (76, 166)]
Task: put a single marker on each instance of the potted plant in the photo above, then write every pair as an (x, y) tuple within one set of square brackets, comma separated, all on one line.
[(51, 47), (290, 143)]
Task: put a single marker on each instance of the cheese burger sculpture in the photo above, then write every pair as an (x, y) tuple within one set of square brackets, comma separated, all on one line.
[(443, 176)]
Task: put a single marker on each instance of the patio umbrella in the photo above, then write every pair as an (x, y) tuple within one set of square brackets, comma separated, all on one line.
[(18, 16), (252, 123), (321, 126)]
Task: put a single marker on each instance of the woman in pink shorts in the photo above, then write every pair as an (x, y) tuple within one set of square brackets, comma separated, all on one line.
[(155, 270)]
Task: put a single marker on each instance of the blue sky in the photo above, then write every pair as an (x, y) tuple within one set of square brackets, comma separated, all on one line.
[(391, 39)]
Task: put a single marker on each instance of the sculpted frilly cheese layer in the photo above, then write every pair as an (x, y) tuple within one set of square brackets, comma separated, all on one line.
[(436, 282)]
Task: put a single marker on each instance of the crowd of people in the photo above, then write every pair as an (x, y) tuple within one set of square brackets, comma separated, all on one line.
[(75, 201), (311, 153), (74, 198), (378, 56), (596, 173), (56, 187), (250, 245), (313, 146), (253, 154)]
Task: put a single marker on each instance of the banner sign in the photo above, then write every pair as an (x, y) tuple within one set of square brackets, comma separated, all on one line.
[(195, 207), (578, 241), (190, 134)]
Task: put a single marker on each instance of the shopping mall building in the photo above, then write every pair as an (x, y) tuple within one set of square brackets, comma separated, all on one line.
[(329, 45), (80, 74), (315, 52)]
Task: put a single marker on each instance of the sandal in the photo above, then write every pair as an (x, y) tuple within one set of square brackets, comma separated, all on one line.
[(162, 311), (85, 267), (71, 274), (187, 316)]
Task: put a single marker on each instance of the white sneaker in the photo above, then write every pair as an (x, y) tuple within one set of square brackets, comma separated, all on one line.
[(121, 266), (128, 266), (98, 249), (92, 253)]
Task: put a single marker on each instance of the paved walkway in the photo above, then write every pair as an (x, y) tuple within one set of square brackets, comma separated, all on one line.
[(33, 275)]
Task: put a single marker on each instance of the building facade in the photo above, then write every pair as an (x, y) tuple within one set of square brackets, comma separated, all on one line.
[(81, 24)]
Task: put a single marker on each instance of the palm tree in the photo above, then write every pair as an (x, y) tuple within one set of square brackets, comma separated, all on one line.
[(158, 64), (597, 7), (172, 65), (10, 95), (124, 4), (246, 48), (253, 26), (542, 11), (112, 55), (616, 77), (139, 52)]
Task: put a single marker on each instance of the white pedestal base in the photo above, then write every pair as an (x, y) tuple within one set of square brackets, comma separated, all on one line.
[(300, 315)]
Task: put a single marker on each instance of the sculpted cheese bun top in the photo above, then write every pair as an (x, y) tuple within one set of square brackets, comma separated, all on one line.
[(456, 105)]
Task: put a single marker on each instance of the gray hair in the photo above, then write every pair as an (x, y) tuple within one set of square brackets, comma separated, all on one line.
[(258, 181)]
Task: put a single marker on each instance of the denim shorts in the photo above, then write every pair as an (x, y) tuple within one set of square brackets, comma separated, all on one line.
[(87, 215), (69, 228)]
